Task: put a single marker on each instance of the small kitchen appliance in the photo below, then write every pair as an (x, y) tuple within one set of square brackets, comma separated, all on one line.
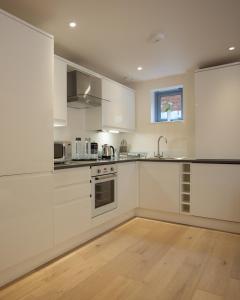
[(62, 151), (107, 151), (94, 150)]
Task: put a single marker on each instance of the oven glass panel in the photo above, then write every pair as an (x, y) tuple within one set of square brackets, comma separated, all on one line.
[(104, 193), (58, 150)]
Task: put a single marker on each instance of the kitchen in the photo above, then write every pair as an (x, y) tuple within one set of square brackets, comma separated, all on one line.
[(123, 170)]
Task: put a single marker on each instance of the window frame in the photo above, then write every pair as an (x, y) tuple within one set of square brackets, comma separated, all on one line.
[(156, 103)]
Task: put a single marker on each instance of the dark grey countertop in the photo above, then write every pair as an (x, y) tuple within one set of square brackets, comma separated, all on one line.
[(85, 163), (77, 164)]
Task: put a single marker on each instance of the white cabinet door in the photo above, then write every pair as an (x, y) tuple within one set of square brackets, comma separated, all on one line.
[(72, 203), (119, 113), (159, 186), (60, 92), (26, 109), (217, 112), (26, 222), (127, 187), (215, 191), (72, 218), (131, 110)]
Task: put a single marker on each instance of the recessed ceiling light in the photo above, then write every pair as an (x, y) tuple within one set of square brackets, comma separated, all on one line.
[(72, 24), (231, 48), (139, 68), (157, 37)]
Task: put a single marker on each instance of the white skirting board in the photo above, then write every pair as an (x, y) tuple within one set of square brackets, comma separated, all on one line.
[(17, 271), (232, 227)]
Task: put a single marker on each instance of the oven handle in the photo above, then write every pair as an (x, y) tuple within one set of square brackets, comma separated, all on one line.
[(111, 176)]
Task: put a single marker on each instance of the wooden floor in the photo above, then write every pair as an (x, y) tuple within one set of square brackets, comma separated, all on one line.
[(141, 260)]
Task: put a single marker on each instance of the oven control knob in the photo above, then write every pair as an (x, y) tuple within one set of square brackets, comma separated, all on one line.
[(112, 169), (99, 171)]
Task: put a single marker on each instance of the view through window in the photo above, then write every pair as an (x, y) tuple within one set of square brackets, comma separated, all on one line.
[(168, 105)]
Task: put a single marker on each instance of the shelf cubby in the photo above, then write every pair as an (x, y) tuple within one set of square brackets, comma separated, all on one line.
[(185, 208), (186, 177), (186, 168), (185, 197), (186, 187)]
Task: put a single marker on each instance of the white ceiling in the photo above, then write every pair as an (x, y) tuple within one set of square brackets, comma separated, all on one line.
[(113, 37)]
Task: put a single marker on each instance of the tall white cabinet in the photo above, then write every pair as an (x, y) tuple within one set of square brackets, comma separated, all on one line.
[(26, 152), (26, 73), (217, 92), (60, 92), (26, 220)]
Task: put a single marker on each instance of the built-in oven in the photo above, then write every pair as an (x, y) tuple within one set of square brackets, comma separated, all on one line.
[(104, 189)]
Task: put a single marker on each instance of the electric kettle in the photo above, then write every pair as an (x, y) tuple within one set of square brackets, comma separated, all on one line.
[(107, 151)]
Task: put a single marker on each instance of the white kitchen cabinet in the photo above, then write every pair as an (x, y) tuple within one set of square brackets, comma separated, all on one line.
[(159, 186), (118, 113), (127, 186), (72, 203), (26, 223), (215, 191), (217, 93), (26, 113), (60, 92)]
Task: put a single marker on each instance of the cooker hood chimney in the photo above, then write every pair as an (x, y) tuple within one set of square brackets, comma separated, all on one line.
[(83, 90)]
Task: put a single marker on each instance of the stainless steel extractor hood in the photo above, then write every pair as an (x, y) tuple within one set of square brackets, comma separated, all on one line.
[(83, 90)]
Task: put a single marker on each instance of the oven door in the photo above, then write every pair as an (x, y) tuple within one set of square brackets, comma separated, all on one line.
[(104, 194)]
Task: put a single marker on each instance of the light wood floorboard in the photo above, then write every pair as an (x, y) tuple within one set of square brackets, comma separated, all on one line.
[(141, 260)]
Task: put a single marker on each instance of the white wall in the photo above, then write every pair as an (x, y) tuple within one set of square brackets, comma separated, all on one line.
[(180, 134), (76, 128)]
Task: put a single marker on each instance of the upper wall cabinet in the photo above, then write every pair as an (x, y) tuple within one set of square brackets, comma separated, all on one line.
[(26, 113), (117, 113), (60, 92), (217, 112)]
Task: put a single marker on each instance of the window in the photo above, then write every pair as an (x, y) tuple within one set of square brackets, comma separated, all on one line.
[(167, 104)]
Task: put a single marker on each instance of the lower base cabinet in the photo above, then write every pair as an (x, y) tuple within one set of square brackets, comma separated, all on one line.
[(215, 191), (72, 203), (26, 223), (159, 186), (71, 219), (127, 187)]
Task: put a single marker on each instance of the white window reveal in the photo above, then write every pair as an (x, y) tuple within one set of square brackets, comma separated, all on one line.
[(167, 104)]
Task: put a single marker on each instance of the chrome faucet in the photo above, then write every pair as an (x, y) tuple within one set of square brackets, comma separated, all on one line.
[(159, 140)]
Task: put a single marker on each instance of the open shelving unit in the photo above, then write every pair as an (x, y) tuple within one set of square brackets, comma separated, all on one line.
[(185, 194)]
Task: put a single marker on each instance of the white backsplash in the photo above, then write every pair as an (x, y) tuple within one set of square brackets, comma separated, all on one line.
[(76, 128), (147, 142)]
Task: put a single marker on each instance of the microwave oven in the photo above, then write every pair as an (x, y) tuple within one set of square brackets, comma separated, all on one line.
[(62, 152)]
